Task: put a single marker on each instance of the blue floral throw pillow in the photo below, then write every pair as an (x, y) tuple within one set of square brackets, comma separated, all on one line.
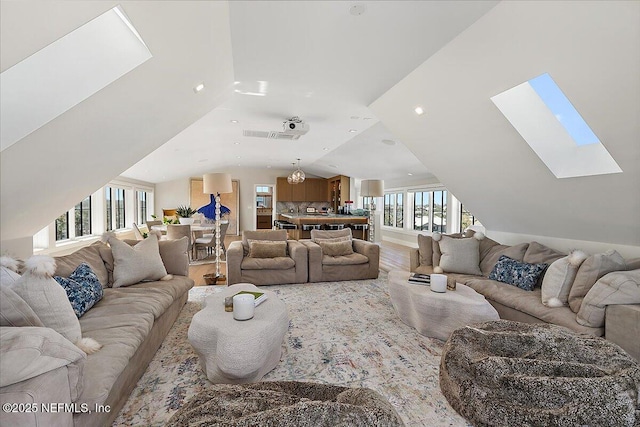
[(520, 274), (83, 288)]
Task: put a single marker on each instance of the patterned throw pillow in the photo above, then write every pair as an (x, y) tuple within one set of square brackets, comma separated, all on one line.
[(520, 274), (83, 288)]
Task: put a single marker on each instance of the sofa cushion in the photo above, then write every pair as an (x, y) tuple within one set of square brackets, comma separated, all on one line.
[(494, 253), (558, 279), (278, 263), (592, 269), (352, 259), (8, 276), (537, 253), (65, 265), (344, 234), (82, 287), (425, 250), (134, 264), (14, 311), (267, 249), (516, 273), (272, 235), (47, 298), (435, 245), (333, 249), (528, 303), (618, 287), (460, 255)]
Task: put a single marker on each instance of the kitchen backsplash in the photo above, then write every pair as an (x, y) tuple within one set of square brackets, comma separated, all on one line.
[(300, 207)]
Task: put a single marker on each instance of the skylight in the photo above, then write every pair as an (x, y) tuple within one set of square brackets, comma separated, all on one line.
[(66, 72), (553, 128)]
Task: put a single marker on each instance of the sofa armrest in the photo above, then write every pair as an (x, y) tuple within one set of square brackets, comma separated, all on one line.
[(298, 252), (622, 324), (371, 251), (315, 260), (26, 352), (235, 254), (414, 259)]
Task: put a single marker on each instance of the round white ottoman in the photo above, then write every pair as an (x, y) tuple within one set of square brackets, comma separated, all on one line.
[(233, 351), (435, 314)]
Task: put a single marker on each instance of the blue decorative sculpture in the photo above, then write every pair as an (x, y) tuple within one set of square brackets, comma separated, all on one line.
[(209, 211)]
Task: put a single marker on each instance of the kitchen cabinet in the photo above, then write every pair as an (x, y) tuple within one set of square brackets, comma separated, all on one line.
[(311, 190), (283, 190), (338, 191), (316, 190)]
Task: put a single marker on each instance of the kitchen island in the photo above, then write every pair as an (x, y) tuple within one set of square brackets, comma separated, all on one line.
[(322, 219)]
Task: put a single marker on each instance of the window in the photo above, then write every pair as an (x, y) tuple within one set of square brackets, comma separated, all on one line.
[(83, 217), (119, 212), (439, 222), (142, 206), (261, 189), (109, 209), (467, 219), (421, 210), (393, 210), (62, 226)]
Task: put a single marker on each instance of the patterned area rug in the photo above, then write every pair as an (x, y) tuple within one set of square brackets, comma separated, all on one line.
[(342, 333)]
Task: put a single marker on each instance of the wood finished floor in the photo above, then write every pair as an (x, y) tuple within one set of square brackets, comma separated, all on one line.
[(393, 256)]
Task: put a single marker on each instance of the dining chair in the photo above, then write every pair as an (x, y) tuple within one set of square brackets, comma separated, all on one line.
[(208, 241), (155, 222), (178, 231), (137, 232)]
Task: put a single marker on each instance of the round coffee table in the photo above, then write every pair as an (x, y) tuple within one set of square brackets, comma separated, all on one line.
[(233, 351), (435, 314)]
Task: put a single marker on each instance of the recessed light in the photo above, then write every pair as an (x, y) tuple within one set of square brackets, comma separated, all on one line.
[(238, 157), (388, 142), (410, 174), (198, 87), (353, 130), (233, 121), (236, 143), (419, 111), (325, 149)]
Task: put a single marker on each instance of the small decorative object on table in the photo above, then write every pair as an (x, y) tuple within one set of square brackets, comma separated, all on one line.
[(438, 283), (243, 306), (228, 304), (260, 297)]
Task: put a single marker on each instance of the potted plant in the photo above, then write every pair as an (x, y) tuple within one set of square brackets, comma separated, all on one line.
[(185, 213)]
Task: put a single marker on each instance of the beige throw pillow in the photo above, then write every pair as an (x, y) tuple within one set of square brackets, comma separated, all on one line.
[(336, 248), (592, 269), (558, 279), (425, 250), (491, 257), (135, 264), (267, 249), (460, 255), (65, 265)]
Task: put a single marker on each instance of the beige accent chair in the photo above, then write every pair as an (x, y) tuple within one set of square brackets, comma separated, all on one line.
[(241, 267), (363, 263)]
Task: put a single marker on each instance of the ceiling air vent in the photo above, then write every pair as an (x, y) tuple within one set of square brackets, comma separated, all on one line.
[(269, 134)]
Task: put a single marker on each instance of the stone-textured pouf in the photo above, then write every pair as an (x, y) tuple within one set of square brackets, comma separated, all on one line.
[(286, 403), (504, 373)]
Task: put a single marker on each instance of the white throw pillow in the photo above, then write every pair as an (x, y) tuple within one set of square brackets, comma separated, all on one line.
[(618, 287), (559, 277), (47, 298), (134, 264), (460, 255)]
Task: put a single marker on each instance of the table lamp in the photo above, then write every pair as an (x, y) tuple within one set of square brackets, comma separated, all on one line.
[(217, 183), (372, 188)]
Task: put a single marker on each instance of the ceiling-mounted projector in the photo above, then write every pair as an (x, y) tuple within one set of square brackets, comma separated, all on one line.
[(295, 127)]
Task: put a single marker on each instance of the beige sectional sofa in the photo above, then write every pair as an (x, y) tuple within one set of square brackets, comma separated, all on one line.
[(129, 322), (620, 321)]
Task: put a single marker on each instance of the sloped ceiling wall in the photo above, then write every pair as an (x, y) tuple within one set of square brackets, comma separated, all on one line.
[(53, 168), (592, 50)]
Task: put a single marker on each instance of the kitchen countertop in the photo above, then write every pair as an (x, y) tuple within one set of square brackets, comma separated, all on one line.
[(320, 216)]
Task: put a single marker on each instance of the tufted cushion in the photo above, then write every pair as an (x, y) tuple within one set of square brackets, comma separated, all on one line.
[(267, 249), (82, 287), (460, 255), (339, 248), (517, 273)]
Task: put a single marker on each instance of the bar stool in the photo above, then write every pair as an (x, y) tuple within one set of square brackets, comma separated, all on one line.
[(306, 230), (362, 227), (334, 226)]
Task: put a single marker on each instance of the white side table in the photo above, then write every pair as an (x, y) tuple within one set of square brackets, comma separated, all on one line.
[(233, 351), (435, 314)]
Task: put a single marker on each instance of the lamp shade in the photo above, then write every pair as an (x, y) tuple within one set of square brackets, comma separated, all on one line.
[(372, 188), (214, 183)]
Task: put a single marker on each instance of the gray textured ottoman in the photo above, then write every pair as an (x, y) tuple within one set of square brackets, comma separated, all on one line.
[(287, 403), (233, 351), (505, 373)]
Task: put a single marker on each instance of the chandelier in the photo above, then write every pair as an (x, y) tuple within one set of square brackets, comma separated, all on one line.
[(297, 176)]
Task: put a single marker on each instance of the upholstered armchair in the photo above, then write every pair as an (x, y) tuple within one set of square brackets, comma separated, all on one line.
[(266, 257), (335, 255)]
